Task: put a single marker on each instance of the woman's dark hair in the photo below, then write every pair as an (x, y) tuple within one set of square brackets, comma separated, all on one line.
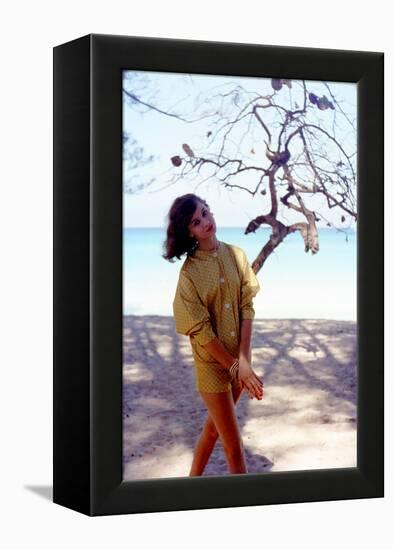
[(178, 241)]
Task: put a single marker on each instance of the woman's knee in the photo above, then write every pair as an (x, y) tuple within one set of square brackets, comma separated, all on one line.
[(210, 429)]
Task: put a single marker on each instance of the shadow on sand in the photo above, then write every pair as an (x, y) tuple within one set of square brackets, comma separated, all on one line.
[(312, 359)]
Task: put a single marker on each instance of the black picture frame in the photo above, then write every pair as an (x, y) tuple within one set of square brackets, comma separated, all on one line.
[(88, 275)]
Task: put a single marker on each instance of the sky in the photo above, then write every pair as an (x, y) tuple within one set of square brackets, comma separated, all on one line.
[(163, 136)]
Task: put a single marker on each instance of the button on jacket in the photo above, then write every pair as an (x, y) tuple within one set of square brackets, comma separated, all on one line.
[(214, 294)]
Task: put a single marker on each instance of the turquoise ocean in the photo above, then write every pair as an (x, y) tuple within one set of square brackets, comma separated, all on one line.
[(294, 284)]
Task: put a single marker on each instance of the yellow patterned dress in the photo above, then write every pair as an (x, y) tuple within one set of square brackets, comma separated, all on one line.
[(214, 293)]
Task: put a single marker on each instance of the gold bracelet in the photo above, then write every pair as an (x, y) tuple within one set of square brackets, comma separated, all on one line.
[(234, 368)]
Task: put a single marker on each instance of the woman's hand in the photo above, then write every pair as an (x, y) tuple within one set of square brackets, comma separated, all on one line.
[(249, 380)]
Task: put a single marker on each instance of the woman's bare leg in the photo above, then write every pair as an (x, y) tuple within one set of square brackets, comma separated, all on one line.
[(204, 448), (208, 438), (222, 412)]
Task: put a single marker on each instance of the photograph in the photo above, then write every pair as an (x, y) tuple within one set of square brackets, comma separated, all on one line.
[(194, 275), (240, 279)]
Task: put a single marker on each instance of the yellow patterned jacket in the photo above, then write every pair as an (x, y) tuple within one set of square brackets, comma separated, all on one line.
[(214, 293)]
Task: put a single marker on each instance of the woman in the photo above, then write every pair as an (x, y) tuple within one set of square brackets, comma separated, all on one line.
[(213, 306)]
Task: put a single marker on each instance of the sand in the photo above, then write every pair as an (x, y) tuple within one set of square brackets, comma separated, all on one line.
[(306, 420)]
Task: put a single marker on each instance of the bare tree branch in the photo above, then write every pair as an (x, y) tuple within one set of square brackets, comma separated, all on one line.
[(305, 155)]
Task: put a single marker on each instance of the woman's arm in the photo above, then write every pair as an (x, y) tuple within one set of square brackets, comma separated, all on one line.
[(220, 354), (191, 315), (218, 351), (247, 376), (245, 340)]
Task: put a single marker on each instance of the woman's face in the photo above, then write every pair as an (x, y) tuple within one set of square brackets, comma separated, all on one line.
[(202, 225)]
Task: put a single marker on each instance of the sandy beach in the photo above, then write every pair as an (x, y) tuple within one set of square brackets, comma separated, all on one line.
[(306, 420)]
